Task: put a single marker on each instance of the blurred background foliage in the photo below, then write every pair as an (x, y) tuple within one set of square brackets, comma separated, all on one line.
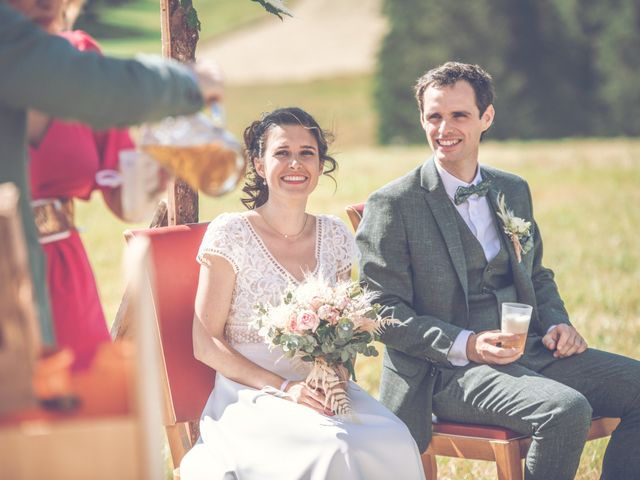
[(561, 67)]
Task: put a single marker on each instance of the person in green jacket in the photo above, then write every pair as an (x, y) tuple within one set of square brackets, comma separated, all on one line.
[(46, 73)]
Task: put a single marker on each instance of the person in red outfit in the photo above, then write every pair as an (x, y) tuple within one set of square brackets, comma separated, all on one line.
[(66, 159)]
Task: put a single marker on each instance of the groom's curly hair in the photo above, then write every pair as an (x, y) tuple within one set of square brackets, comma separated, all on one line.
[(255, 141), (451, 72)]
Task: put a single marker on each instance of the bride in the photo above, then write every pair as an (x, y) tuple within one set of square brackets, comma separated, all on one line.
[(262, 421)]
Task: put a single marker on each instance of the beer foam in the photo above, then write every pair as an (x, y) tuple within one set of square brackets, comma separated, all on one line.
[(515, 323)]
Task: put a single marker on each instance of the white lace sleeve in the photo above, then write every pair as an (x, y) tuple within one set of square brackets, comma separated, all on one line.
[(220, 239), (343, 244)]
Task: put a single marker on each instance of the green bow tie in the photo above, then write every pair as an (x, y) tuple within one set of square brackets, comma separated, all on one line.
[(463, 193)]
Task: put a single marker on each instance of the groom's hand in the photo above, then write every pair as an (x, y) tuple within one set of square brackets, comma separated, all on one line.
[(564, 341), (484, 347)]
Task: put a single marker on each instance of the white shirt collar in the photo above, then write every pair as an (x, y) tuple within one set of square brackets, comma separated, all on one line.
[(452, 183)]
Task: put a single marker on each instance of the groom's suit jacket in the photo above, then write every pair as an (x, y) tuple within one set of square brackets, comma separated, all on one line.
[(413, 257)]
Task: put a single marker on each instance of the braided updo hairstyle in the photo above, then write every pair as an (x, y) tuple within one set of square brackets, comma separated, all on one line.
[(255, 137)]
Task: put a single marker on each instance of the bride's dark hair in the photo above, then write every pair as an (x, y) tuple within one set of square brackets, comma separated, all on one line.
[(254, 139)]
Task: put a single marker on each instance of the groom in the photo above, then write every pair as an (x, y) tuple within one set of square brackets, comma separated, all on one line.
[(435, 249)]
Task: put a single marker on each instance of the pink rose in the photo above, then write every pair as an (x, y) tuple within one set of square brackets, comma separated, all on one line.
[(307, 320), (292, 323), (328, 313)]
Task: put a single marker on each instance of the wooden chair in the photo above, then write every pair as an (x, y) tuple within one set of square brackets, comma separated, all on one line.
[(482, 442), (186, 382)]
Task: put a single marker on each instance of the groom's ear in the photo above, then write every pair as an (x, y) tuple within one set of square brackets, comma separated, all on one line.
[(422, 120), (487, 118)]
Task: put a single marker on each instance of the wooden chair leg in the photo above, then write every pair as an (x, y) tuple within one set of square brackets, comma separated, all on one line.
[(508, 461), (430, 466), (179, 438)]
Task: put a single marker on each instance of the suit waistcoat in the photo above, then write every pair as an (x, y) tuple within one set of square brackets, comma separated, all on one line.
[(489, 283)]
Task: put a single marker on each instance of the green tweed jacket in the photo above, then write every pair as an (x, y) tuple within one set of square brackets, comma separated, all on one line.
[(46, 73), (413, 257)]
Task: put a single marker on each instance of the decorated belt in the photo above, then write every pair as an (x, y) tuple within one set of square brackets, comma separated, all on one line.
[(54, 218)]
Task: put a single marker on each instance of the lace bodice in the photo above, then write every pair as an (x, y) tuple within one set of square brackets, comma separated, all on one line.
[(259, 276)]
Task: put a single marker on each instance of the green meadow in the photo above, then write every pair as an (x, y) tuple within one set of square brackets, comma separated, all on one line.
[(585, 196)]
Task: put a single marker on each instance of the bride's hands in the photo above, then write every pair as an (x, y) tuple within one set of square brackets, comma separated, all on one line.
[(300, 392)]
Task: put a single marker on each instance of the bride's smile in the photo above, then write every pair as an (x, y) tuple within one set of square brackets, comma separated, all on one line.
[(291, 162)]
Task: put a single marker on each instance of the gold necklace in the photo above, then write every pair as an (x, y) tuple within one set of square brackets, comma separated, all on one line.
[(286, 235)]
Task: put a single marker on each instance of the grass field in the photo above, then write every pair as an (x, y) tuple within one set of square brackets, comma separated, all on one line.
[(585, 193), (341, 105)]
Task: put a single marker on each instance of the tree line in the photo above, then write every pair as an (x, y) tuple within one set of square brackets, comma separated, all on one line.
[(561, 67)]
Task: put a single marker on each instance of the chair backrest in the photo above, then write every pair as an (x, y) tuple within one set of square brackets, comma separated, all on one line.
[(354, 212), (188, 382)]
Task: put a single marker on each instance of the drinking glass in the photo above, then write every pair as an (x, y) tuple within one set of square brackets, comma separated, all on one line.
[(515, 319)]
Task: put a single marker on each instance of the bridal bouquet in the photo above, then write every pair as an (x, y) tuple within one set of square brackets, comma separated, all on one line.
[(327, 325)]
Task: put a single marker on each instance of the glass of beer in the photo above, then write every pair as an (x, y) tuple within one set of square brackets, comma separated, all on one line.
[(515, 319)]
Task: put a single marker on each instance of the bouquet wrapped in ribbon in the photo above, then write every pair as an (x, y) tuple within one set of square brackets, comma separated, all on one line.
[(327, 325)]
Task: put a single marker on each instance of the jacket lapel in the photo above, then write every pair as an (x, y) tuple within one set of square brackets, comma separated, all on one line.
[(521, 278), (441, 207), (492, 197)]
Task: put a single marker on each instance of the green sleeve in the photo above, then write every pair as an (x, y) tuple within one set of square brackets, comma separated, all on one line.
[(46, 73)]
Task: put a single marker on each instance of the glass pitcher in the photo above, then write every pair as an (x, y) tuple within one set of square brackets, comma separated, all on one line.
[(198, 149)]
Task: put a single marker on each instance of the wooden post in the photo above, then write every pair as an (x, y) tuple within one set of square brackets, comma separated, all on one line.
[(19, 332), (179, 28)]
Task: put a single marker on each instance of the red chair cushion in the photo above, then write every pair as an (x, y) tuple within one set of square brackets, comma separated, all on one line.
[(173, 251)]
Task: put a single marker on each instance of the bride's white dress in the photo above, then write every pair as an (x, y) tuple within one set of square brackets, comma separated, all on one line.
[(251, 434)]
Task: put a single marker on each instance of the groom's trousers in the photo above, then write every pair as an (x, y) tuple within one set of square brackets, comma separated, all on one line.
[(552, 400)]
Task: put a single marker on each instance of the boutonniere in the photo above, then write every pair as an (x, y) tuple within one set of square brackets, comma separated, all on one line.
[(517, 229)]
